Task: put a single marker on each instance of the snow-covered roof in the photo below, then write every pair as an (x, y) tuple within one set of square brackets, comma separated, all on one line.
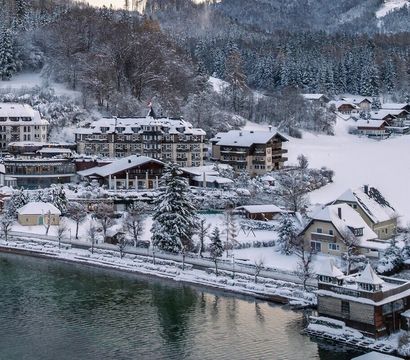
[(47, 150), (381, 114), (209, 170), (375, 211), (212, 179), (328, 268), (118, 165), (350, 219), (19, 111), (339, 103), (313, 96), (357, 99), (38, 208), (256, 209), (370, 123), (245, 138), (138, 125), (394, 106), (376, 356), (369, 276)]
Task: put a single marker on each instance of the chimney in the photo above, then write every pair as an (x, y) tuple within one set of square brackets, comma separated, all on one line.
[(129, 161), (240, 133), (366, 189), (270, 128), (339, 212)]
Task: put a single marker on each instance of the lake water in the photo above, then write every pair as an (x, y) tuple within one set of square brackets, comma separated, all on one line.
[(52, 310)]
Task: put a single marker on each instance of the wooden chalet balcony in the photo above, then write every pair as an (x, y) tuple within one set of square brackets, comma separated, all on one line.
[(233, 161), (278, 152), (323, 237), (233, 151), (259, 162)]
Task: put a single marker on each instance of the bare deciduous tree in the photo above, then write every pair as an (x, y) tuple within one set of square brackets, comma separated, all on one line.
[(122, 244), (104, 215), (134, 221), (6, 222), (77, 213), (259, 264), (203, 230), (304, 269), (292, 192), (92, 235), (61, 231), (351, 242)]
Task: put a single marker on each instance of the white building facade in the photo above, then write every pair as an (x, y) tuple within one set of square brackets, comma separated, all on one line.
[(20, 122)]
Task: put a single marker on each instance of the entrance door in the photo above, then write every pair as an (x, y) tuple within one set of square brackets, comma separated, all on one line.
[(40, 220)]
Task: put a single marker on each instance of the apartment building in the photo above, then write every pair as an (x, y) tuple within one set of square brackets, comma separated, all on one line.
[(20, 122), (254, 151), (166, 139)]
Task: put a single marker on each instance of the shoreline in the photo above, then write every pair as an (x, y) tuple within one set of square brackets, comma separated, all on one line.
[(271, 298)]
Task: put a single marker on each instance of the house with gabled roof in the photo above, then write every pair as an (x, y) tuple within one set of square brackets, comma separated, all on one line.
[(365, 301), (373, 128), (331, 228), (363, 102), (374, 209), (396, 106), (344, 107), (257, 152), (321, 99), (131, 173)]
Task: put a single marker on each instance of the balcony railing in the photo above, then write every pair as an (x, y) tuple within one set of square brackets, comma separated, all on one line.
[(323, 237)]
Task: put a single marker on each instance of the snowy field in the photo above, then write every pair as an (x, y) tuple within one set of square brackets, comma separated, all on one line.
[(356, 161)]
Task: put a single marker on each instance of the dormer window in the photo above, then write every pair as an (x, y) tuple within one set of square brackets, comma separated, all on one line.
[(26, 118), (104, 129), (3, 119), (358, 232), (120, 129), (14, 119)]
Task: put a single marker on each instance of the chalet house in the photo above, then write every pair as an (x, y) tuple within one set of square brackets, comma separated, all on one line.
[(392, 117), (364, 301), (166, 139), (206, 176), (364, 103), (261, 212), (378, 214), (320, 99), (257, 152), (332, 226), (373, 128), (133, 172), (344, 107), (38, 213), (396, 106)]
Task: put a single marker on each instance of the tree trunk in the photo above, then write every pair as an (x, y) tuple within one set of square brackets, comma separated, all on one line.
[(76, 231)]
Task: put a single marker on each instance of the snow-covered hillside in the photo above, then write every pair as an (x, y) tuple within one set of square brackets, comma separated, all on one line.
[(391, 5), (358, 161)]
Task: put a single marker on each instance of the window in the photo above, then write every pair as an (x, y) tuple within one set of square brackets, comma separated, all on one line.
[(345, 307), (316, 246), (319, 230), (333, 246), (354, 206), (331, 232)]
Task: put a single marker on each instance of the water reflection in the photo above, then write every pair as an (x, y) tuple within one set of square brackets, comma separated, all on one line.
[(70, 312)]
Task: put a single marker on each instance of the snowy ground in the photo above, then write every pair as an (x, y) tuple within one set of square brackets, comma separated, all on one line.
[(271, 257), (356, 161), (390, 5), (31, 80)]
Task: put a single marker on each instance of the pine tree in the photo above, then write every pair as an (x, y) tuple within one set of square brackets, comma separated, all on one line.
[(175, 215), (60, 199), (21, 13), (287, 234), (8, 65), (216, 247), (17, 200)]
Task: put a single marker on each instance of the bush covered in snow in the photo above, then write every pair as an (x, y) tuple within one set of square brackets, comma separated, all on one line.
[(391, 261)]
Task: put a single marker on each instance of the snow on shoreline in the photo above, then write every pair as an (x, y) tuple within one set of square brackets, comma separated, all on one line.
[(266, 289)]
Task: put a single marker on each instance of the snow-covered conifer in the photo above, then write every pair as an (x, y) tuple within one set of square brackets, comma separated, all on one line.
[(287, 234), (216, 247), (8, 64), (175, 215)]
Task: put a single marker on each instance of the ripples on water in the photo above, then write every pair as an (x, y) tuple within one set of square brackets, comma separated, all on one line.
[(53, 311)]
